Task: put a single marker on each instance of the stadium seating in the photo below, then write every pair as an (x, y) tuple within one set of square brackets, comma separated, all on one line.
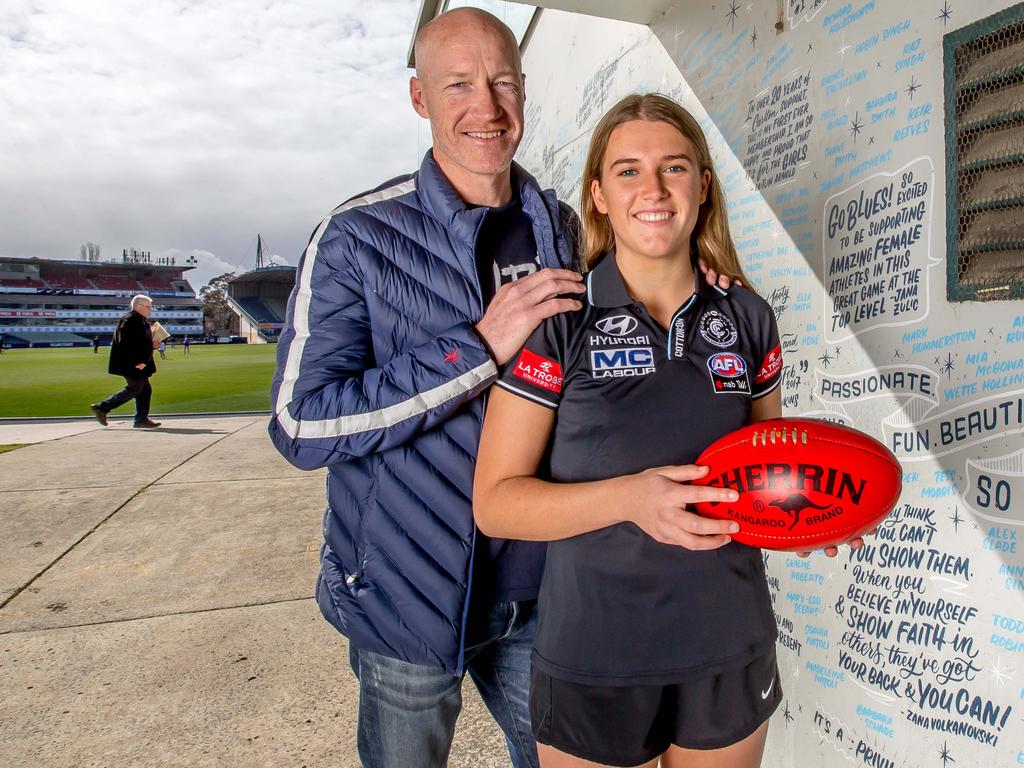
[(277, 306), (52, 337), (80, 296), (68, 282), (257, 310), (106, 283)]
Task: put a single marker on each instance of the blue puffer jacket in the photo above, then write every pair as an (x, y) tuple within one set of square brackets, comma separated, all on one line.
[(379, 372)]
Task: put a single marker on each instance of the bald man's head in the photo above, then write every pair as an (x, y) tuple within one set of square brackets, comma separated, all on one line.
[(469, 83), (454, 24)]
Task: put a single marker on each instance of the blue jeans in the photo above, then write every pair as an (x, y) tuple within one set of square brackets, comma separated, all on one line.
[(407, 712)]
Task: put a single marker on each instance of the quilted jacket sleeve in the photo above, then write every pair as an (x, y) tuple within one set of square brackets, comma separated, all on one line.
[(331, 399)]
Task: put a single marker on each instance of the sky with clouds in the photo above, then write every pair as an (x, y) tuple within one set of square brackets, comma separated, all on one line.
[(185, 128)]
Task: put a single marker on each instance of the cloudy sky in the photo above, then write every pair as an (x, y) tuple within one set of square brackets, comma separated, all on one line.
[(185, 127)]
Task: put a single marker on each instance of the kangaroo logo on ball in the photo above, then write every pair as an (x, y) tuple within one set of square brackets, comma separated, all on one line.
[(794, 504)]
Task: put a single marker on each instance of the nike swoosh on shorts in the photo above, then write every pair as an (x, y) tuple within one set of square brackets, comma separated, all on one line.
[(767, 692)]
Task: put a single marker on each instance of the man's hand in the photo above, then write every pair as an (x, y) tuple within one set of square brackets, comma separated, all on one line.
[(141, 366), (519, 307), (723, 281), (156, 344), (659, 497)]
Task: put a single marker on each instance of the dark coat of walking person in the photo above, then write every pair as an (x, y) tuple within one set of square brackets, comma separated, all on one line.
[(131, 356)]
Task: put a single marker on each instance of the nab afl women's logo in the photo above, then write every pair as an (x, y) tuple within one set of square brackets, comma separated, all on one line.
[(717, 329)]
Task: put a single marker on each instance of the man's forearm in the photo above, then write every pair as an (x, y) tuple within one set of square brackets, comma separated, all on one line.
[(320, 419)]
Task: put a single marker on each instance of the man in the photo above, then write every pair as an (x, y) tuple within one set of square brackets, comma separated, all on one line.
[(131, 356), (406, 301)]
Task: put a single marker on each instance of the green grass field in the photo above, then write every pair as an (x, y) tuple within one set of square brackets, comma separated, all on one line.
[(62, 382)]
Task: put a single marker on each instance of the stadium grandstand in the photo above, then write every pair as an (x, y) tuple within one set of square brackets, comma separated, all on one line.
[(259, 298), (66, 303)]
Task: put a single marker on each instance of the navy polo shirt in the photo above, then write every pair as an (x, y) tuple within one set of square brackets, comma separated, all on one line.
[(616, 606)]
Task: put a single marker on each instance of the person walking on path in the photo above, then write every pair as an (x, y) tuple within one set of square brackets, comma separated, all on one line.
[(131, 356), (185, 345), (95, 344), (162, 349)]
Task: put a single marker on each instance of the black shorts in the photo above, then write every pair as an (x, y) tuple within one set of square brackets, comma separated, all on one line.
[(627, 726)]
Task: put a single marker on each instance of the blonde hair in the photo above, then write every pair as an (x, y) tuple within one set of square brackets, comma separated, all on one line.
[(711, 240)]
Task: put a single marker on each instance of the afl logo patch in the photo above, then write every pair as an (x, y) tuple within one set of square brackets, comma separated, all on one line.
[(718, 329), (620, 325), (728, 374), (727, 365)]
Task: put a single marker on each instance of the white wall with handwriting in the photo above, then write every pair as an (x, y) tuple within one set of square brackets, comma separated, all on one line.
[(826, 120)]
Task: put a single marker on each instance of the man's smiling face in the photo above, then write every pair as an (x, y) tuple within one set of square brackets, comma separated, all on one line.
[(470, 85)]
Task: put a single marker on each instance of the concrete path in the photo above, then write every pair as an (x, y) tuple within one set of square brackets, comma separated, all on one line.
[(156, 605)]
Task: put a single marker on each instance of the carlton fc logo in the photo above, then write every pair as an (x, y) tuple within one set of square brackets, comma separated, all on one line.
[(718, 329), (620, 325)]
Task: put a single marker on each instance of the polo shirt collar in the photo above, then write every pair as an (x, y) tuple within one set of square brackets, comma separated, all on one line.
[(606, 289)]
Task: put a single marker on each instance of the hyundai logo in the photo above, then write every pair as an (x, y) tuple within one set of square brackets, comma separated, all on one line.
[(620, 325)]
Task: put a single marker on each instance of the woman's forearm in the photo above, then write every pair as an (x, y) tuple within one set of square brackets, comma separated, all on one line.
[(510, 502), (537, 510)]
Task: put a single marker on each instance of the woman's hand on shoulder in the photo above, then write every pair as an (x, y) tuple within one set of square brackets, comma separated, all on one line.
[(657, 505)]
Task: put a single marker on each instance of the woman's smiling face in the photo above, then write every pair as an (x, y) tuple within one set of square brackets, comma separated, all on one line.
[(651, 188)]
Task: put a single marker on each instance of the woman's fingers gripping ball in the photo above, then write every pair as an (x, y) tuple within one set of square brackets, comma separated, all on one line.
[(660, 508), (855, 543)]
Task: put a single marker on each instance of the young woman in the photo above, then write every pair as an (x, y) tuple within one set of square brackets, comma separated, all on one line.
[(656, 632)]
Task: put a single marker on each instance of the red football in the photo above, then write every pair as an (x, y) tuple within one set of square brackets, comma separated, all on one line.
[(804, 484)]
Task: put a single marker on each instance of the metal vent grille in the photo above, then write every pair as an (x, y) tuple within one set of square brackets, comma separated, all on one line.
[(984, 74)]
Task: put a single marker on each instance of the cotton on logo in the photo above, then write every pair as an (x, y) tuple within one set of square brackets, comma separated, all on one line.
[(620, 325), (727, 365)]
